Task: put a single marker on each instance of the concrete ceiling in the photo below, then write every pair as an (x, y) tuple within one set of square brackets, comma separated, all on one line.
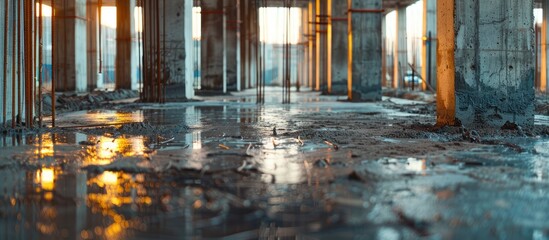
[(388, 5)]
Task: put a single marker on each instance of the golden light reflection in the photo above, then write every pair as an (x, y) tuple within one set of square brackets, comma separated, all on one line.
[(47, 179), (117, 189), (45, 146), (109, 178), (417, 165), (107, 149)]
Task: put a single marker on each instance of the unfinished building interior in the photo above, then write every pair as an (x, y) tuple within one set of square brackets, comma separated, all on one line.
[(274, 119)]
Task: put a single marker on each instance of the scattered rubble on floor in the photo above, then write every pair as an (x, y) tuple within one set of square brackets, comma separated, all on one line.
[(239, 171)]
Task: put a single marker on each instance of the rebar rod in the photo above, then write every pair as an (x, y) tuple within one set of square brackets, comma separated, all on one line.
[(158, 56), (13, 66), (4, 70), (40, 62), (53, 58), (19, 79)]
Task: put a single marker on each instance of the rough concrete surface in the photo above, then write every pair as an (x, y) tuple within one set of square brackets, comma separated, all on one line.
[(319, 168)]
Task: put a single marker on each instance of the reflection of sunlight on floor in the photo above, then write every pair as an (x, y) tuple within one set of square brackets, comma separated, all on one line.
[(118, 190), (275, 162)]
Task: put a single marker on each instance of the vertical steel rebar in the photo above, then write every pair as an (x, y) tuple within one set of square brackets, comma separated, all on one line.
[(19, 112), (54, 65), (13, 66), (40, 62), (158, 56), (139, 40), (4, 72), (164, 80)]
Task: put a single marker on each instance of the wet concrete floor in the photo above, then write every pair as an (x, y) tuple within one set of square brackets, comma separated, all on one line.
[(226, 168)]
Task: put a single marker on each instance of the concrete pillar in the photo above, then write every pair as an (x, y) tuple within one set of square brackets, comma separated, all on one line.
[(233, 44), (312, 50), (544, 47), (485, 62), (364, 57), (6, 58), (429, 46), (178, 52), (213, 50), (70, 64), (329, 32), (126, 55), (189, 43), (252, 26), (339, 47), (383, 52), (92, 44), (321, 46), (244, 45), (400, 50)]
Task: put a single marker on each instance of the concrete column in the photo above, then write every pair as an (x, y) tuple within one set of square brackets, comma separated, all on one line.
[(544, 47), (213, 48), (364, 57), (126, 59), (321, 46), (92, 44), (5, 80), (400, 50), (339, 47), (189, 43), (253, 35), (312, 51), (70, 64), (383, 52), (329, 54), (485, 65), (233, 45), (429, 46), (178, 52), (244, 45)]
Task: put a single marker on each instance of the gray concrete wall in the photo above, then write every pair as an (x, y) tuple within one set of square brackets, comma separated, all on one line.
[(366, 52), (494, 62), (339, 47)]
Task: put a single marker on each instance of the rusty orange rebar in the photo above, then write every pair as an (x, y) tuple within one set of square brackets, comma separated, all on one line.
[(40, 62), (54, 66), (18, 61)]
